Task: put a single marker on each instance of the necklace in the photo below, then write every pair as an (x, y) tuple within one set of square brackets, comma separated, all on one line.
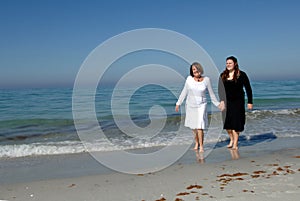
[(198, 79)]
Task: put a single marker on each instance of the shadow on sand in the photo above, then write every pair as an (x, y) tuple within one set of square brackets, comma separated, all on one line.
[(250, 140)]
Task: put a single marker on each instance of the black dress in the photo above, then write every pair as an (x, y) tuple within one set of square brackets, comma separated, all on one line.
[(232, 92)]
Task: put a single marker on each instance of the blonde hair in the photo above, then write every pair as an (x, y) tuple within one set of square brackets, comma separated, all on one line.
[(199, 68)]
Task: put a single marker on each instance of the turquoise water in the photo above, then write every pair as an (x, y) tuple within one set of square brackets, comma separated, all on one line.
[(40, 121)]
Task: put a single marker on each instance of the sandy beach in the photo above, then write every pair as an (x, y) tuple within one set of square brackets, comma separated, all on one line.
[(247, 174)]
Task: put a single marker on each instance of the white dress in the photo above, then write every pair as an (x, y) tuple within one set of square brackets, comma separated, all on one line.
[(196, 102)]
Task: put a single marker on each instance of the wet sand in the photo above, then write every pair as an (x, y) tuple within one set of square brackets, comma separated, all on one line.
[(260, 171)]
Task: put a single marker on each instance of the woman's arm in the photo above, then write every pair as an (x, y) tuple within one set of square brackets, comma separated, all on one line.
[(221, 90), (212, 94), (248, 89), (182, 96), (222, 94)]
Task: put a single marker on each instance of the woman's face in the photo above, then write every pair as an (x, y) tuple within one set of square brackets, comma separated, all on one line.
[(196, 73), (230, 65)]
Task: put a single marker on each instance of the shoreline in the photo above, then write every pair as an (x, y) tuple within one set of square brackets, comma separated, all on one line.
[(269, 175), (35, 168)]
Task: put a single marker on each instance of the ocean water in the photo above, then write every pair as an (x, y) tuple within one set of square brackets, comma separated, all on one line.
[(35, 122)]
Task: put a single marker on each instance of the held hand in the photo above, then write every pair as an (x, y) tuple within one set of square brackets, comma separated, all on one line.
[(221, 106), (250, 106), (177, 108)]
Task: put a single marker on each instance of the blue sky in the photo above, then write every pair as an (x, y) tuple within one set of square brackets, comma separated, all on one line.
[(43, 43)]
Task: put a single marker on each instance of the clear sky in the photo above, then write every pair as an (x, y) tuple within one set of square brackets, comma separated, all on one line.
[(44, 42)]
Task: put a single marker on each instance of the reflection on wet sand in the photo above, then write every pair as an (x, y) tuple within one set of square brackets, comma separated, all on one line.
[(234, 154), (200, 156)]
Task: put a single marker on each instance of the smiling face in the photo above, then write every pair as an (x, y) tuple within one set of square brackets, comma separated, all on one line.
[(230, 65), (196, 73)]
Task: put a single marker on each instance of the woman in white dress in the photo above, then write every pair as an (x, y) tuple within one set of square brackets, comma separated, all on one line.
[(194, 91)]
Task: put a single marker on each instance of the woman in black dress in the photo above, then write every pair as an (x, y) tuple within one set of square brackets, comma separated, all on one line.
[(232, 96)]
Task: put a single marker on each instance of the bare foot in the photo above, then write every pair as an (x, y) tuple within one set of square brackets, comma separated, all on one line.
[(230, 145), (234, 148), (201, 150), (196, 147)]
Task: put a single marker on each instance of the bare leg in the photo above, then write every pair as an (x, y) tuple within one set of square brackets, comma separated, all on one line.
[(196, 139), (235, 139), (201, 139), (230, 133)]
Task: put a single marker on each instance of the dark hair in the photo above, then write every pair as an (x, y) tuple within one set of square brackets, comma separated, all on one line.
[(198, 66), (236, 74)]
